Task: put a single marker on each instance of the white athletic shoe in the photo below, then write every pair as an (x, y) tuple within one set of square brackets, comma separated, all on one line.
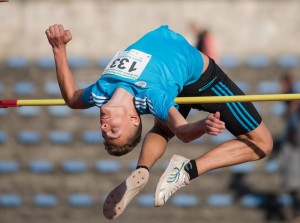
[(118, 199), (173, 179)]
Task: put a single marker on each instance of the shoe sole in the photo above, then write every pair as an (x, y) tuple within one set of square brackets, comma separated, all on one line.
[(117, 200)]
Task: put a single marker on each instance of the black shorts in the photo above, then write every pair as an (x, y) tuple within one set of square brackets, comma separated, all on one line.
[(239, 117)]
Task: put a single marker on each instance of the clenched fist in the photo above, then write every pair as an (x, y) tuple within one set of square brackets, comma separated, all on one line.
[(57, 36), (213, 124)]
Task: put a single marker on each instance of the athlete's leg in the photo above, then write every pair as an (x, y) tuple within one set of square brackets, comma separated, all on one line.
[(154, 146), (155, 143), (247, 147), (253, 139)]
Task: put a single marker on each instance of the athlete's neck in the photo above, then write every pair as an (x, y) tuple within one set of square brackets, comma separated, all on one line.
[(121, 98)]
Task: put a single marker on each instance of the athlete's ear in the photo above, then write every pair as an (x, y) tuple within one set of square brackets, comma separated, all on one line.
[(135, 120)]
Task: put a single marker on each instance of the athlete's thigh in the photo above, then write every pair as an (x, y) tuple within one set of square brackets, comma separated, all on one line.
[(239, 117), (260, 134)]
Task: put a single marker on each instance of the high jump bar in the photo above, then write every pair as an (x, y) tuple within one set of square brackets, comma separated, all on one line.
[(178, 100)]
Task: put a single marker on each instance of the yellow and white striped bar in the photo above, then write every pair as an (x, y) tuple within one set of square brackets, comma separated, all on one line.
[(183, 100)]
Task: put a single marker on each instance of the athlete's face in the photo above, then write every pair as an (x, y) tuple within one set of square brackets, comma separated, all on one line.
[(115, 125)]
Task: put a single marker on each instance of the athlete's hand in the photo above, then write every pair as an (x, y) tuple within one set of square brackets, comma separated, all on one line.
[(213, 124), (57, 36)]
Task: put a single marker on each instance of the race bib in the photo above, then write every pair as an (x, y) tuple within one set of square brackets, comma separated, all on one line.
[(128, 64)]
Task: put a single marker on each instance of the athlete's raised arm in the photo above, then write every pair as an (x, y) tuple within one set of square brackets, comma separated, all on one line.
[(58, 38)]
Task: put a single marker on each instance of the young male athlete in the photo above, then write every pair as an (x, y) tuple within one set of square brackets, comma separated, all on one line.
[(145, 79), (253, 140)]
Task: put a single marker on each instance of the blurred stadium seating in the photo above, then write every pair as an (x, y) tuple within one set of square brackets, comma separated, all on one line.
[(29, 137), (227, 61), (289, 61), (45, 62), (243, 168), (80, 200), (51, 88), (92, 137), (74, 166), (60, 137), (16, 62), (45, 200), (78, 62), (9, 166), (252, 200), (59, 111), (145, 200), (268, 87), (108, 166), (258, 61), (220, 200), (29, 111), (3, 137), (185, 200), (41, 166), (24, 88), (10, 200)]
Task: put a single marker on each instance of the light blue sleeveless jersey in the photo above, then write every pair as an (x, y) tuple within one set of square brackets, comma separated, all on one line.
[(154, 70)]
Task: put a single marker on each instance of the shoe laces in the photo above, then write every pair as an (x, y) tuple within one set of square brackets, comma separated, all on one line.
[(179, 174)]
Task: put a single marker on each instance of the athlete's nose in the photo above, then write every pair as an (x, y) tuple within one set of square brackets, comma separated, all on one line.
[(104, 127)]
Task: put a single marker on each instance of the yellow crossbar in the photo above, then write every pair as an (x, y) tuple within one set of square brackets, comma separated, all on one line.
[(40, 102), (237, 98), (183, 100)]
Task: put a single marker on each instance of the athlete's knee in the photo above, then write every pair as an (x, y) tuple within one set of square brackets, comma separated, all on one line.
[(260, 140), (264, 141), (267, 144)]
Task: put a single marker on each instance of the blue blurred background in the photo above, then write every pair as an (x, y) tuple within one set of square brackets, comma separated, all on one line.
[(53, 167)]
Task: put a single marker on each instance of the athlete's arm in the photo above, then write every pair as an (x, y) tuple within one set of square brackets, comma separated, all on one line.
[(58, 39), (187, 132)]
